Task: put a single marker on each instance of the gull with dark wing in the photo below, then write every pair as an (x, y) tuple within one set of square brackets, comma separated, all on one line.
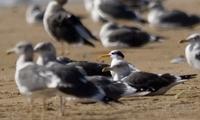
[(34, 14), (113, 90), (192, 50), (64, 26), (115, 9), (157, 84), (159, 17), (47, 53), (116, 36), (36, 81)]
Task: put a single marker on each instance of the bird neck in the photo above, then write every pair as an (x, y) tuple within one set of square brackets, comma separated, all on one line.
[(116, 60), (22, 60), (52, 7), (44, 59)]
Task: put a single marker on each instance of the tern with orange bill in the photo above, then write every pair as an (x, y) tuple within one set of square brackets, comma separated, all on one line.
[(157, 84)]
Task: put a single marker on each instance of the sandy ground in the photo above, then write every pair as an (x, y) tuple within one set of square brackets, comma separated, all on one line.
[(152, 58)]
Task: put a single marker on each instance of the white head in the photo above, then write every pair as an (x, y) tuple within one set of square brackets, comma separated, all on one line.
[(116, 54), (45, 47), (22, 48), (46, 51)]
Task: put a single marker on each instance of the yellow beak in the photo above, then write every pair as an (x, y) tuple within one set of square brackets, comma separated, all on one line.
[(104, 56), (183, 41)]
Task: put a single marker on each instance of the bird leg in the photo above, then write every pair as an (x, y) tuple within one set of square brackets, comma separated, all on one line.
[(30, 104), (61, 106)]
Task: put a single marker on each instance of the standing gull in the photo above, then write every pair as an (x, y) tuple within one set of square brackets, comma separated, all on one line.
[(114, 9), (32, 80), (158, 16), (64, 26), (116, 36), (35, 81), (192, 51), (47, 53), (156, 84)]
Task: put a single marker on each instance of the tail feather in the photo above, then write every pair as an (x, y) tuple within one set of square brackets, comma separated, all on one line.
[(86, 42), (155, 38)]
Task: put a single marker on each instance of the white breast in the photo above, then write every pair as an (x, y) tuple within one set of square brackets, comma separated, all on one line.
[(190, 56)]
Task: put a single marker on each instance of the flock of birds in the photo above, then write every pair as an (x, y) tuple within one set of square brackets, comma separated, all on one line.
[(53, 75)]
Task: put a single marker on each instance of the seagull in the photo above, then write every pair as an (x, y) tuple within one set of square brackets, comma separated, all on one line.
[(34, 14), (192, 50), (64, 26), (120, 36), (159, 17), (114, 9), (47, 53), (156, 84), (119, 68), (36, 81)]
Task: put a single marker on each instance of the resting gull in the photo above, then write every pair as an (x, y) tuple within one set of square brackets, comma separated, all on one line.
[(64, 26), (36, 81), (156, 84), (34, 14), (115, 9), (192, 51), (121, 36), (158, 16), (47, 53)]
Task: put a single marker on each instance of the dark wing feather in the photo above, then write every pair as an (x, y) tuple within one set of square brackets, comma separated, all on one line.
[(179, 18), (147, 81), (76, 21), (116, 10), (74, 82), (131, 37), (92, 68), (62, 27)]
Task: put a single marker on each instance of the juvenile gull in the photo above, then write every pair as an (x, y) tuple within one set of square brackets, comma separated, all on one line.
[(156, 84), (34, 14), (33, 81), (120, 36), (36, 81), (47, 53), (64, 26), (114, 9), (192, 50), (158, 16)]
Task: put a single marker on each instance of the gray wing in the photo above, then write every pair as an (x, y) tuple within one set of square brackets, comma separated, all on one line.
[(179, 18), (134, 38), (116, 9), (36, 77), (148, 81)]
